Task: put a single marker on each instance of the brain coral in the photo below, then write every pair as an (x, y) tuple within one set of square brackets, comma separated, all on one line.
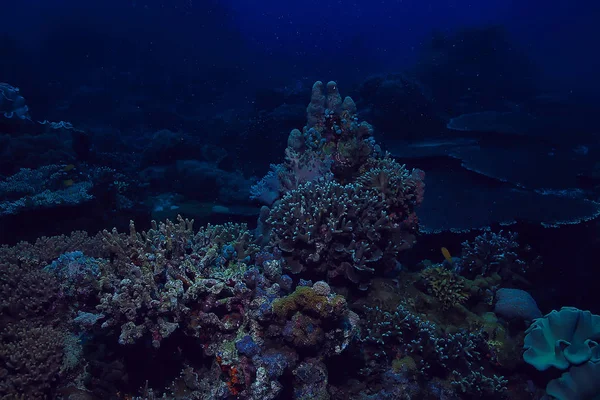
[(516, 304)]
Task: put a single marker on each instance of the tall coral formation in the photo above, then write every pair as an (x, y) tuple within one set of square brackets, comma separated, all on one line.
[(354, 220), (333, 128), (333, 145)]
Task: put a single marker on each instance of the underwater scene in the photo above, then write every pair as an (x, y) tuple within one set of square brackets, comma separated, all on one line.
[(315, 200)]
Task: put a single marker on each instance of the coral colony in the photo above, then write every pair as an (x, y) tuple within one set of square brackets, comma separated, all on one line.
[(315, 303)]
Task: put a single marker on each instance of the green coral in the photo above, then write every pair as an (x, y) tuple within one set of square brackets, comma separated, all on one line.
[(447, 287), (307, 300)]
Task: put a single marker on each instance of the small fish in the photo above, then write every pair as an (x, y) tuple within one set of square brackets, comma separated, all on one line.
[(69, 167), (447, 255), (68, 182)]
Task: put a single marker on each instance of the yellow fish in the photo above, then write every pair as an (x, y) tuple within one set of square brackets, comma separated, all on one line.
[(447, 255), (68, 182), (69, 167)]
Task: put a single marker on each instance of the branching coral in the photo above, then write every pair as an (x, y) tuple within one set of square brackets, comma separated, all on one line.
[(491, 253), (26, 291), (31, 357), (448, 288), (155, 276), (409, 334), (54, 185), (32, 317), (476, 383), (398, 187), (48, 186), (408, 338), (47, 249), (149, 285), (350, 230)]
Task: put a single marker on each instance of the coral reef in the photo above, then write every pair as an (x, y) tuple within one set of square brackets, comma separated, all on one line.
[(34, 349), (44, 187), (332, 145), (156, 274), (230, 321), (344, 209), (421, 348), (174, 312)]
